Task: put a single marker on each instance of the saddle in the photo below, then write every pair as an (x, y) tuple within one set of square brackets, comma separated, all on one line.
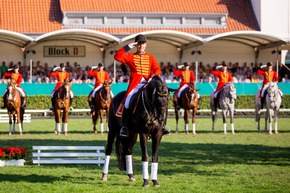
[(133, 102)]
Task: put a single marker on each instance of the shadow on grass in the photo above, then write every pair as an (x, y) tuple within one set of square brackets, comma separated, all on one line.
[(28, 178)]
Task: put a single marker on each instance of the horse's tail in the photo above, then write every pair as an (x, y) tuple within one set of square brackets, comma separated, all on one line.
[(114, 130), (120, 153)]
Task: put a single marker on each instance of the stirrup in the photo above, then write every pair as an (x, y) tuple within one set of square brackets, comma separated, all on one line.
[(92, 107), (177, 107), (124, 131), (71, 108), (51, 108), (165, 132)]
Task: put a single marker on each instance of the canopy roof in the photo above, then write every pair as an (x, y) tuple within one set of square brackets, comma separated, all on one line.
[(255, 39), (182, 40), (14, 38)]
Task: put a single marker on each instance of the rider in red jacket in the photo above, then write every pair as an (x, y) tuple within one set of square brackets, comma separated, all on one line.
[(13, 74), (187, 76), (142, 67), (100, 76), (224, 77), (269, 76), (61, 76)]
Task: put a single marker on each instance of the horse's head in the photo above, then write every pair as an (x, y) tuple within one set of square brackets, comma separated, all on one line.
[(64, 90), (106, 90), (158, 95), (272, 90), (230, 91), (11, 88)]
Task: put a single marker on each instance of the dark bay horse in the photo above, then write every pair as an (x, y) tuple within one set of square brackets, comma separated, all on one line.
[(226, 102), (14, 107), (273, 103), (149, 114), (62, 99), (189, 101), (102, 103)]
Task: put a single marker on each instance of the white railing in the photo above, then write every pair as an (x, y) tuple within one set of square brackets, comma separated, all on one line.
[(170, 111)]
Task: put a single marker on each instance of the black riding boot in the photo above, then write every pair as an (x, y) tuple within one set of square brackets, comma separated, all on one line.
[(215, 103), (70, 104), (92, 104), (52, 104), (23, 102), (124, 132), (178, 103), (262, 102), (4, 102)]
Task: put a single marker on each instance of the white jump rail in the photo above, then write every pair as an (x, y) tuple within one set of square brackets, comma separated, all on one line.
[(68, 155), (4, 118)]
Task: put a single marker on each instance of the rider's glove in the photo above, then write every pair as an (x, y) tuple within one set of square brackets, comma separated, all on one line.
[(94, 67), (132, 45), (56, 68)]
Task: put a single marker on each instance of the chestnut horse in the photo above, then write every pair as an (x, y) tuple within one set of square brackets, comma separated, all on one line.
[(62, 99), (102, 103), (14, 107), (189, 101), (148, 113)]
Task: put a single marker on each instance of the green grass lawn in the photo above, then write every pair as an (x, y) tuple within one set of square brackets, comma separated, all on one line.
[(207, 162)]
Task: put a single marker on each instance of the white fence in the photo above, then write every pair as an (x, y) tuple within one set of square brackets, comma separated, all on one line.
[(46, 112)]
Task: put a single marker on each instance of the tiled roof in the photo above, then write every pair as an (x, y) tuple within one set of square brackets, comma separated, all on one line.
[(41, 16)]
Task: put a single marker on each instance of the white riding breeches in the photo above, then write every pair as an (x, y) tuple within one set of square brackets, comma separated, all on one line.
[(135, 90), (264, 89), (20, 90), (71, 94), (182, 89), (96, 89), (215, 94)]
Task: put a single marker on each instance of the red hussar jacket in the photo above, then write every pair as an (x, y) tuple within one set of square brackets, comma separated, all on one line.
[(61, 77), (100, 77), (144, 65), (17, 77), (224, 78), (187, 77)]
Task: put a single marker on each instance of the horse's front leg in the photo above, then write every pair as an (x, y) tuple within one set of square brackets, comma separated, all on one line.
[(154, 166), (143, 144), (65, 120), (57, 121), (176, 119), (271, 114), (186, 121), (19, 122), (276, 121), (232, 120), (10, 124), (224, 112), (107, 119), (193, 120), (100, 113), (266, 120)]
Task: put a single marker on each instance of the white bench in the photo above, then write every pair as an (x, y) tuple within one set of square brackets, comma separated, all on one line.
[(68, 155), (4, 118)]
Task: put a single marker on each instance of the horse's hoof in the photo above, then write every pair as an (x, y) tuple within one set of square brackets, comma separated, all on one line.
[(20, 133), (65, 133), (186, 132), (10, 133), (131, 178), (155, 183), (105, 177), (194, 133), (145, 183)]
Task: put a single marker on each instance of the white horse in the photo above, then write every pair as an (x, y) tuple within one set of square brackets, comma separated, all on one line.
[(226, 102), (273, 102)]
